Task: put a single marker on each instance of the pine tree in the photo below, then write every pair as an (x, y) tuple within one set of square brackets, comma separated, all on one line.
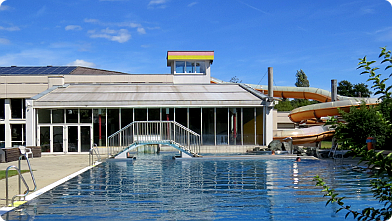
[(302, 79)]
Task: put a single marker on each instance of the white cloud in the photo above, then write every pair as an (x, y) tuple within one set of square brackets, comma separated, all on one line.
[(120, 36), (4, 7), (1, 2), (250, 6), (13, 28), (157, 2), (192, 4), (382, 35), (41, 11), (33, 57), (90, 20), (73, 27), (4, 41), (139, 28), (81, 63)]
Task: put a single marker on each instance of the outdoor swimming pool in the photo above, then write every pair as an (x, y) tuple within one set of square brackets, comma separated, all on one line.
[(156, 187)]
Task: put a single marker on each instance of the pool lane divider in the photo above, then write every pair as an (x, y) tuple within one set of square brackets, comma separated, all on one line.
[(46, 189)]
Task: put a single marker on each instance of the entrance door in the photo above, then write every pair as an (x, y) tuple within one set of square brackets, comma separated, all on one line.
[(58, 140), (73, 139), (85, 136), (44, 138)]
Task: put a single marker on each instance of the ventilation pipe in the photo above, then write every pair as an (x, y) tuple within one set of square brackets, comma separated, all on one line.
[(270, 82), (334, 90)]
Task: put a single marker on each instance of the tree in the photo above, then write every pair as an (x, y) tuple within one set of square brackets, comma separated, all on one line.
[(380, 120), (302, 79), (235, 80), (361, 90), (286, 105), (345, 88)]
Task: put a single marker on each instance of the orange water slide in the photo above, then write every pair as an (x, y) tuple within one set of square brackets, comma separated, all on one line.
[(311, 113)]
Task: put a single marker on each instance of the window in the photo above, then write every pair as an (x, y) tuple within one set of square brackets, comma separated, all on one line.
[(180, 66), (72, 115), (58, 116), (17, 107), (2, 113), (43, 116), (190, 67)]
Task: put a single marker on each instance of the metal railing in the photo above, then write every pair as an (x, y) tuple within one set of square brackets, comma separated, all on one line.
[(93, 151), (154, 132), (21, 179)]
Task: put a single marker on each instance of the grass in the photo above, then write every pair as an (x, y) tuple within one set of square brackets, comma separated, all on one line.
[(11, 173)]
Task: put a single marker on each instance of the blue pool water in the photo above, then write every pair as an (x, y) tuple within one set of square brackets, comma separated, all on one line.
[(156, 187)]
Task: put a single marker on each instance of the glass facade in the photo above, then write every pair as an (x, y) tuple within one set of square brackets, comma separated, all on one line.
[(77, 130)]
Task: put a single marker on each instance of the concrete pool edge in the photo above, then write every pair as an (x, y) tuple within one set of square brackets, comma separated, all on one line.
[(45, 189), (282, 156)]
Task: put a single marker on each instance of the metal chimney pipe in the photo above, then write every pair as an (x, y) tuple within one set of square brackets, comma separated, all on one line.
[(270, 82), (334, 90)]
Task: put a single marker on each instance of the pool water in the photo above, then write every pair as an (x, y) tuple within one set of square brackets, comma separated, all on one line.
[(157, 187)]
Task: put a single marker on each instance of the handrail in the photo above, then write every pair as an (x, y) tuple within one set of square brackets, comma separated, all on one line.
[(31, 172), (6, 186), (91, 155), (154, 132)]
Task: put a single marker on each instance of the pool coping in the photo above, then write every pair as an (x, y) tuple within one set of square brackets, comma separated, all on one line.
[(45, 189)]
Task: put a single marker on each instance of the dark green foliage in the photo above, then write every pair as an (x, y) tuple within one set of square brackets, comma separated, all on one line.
[(361, 90), (302, 79), (284, 105), (361, 123), (345, 88), (288, 105)]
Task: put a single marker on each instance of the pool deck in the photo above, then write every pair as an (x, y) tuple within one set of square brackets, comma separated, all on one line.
[(47, 170)]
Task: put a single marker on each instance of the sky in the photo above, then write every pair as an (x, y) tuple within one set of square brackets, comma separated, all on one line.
[(323, 38)]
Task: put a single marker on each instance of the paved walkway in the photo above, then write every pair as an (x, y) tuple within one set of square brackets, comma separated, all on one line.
[(47, 170)]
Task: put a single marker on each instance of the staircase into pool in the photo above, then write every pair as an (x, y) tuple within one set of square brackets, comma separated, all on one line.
[(140, 133)]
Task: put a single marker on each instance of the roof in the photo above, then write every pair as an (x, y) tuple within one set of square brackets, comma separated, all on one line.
[(148, 95), (55, 70)]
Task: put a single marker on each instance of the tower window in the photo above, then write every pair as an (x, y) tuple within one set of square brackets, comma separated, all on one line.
[(190, 67)]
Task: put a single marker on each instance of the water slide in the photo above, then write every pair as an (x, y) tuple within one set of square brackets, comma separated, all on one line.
[(312, 113)]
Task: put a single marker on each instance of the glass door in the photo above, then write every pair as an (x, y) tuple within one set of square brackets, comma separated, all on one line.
[(73, 139), (44, 138), (85, 136), (58, 139)]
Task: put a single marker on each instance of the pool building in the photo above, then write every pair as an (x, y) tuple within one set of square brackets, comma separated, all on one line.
[(68, 109)]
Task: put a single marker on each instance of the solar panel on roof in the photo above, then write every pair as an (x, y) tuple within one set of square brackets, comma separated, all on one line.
[(37, 70)]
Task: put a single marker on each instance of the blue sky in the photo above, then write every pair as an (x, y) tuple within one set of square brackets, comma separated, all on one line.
[(323, 38)]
